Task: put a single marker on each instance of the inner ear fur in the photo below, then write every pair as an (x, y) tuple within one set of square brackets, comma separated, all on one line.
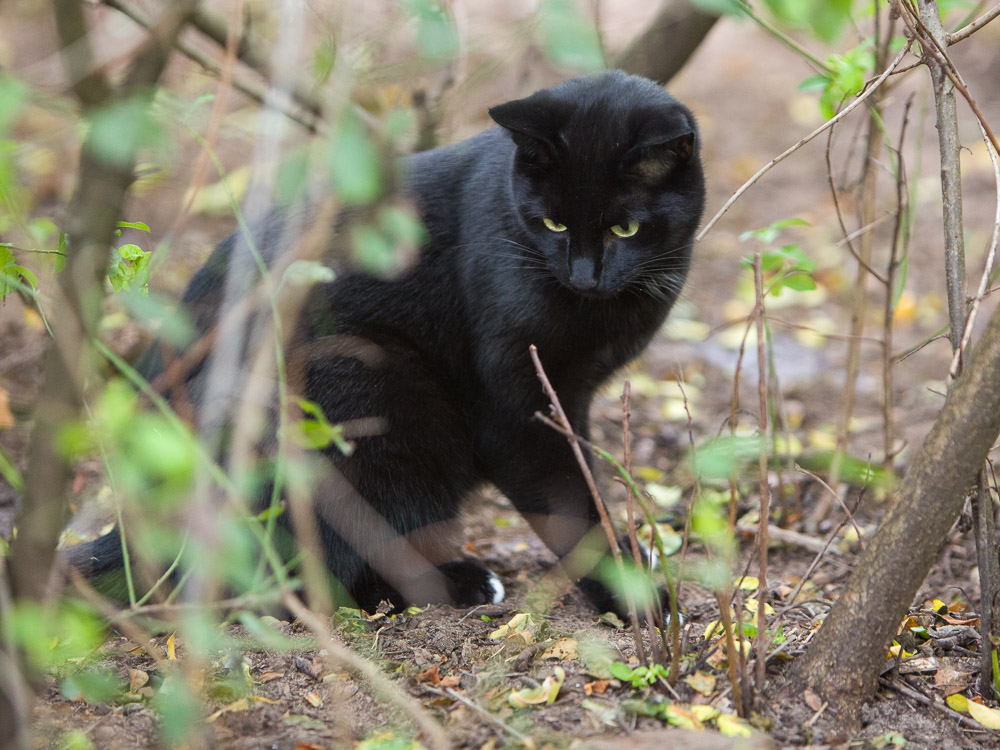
[(653, 161)]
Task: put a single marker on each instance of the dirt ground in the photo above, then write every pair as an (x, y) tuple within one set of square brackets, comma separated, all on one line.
[(742, 86)]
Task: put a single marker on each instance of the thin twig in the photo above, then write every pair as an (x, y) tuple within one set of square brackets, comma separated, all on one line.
[(633, 539), (971, 28), (762, 639), (574, 443)]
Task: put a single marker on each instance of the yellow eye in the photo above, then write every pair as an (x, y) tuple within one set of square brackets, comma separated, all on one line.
[(553, 226), (627, 231)]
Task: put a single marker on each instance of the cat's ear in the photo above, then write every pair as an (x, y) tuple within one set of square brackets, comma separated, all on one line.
[(534, 124), (656, 155)]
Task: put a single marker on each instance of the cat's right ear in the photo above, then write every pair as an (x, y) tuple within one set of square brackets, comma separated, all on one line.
[(533, 124)]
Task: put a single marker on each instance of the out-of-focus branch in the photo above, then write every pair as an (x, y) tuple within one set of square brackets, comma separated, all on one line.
[(91, 223), (673, 36)]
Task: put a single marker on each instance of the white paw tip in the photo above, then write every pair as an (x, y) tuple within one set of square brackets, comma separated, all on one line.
[(497, 588)]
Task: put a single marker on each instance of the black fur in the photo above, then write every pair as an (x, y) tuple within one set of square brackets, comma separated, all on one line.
[(440, 353)]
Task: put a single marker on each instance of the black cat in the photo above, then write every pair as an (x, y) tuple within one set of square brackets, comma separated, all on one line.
[(568, 227)]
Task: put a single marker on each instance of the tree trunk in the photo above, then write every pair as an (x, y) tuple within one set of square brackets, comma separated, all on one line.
[(845, 658), (673, 36)]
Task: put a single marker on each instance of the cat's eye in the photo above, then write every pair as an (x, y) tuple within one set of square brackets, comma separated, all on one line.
[(625, 231), (553, 226)]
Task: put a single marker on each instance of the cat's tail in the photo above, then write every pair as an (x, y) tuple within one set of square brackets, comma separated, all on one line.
[(102, 563)]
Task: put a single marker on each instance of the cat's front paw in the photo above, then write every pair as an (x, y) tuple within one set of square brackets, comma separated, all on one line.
[(605, 599), (470, 584)]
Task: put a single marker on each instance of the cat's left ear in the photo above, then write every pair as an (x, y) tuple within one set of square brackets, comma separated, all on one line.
[(533, 123), (657, 154)]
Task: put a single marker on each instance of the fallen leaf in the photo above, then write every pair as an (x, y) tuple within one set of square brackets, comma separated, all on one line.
[(701, 682), (988, 717), (545, 693), (517, 624), (451, 680), (313, 699), (562, 649), (597, 686), (682, 716), (268, 676), (241, 704), (6, 418), (958, 702), (812, 700), (172, 646), (429, 675), (952, 681), (309, 746), (731, 725), (136, 680)]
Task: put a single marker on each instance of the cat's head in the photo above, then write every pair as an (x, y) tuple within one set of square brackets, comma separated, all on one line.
[(607, 182)]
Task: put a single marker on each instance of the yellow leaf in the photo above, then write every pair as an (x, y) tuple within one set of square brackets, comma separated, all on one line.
[(683, 717), (701, 682), (6, 418), (240, 704), (544, 693), (958, 702), (751, 606), (563, 649), (749, 583), (171, 647), (136, 679), (704, 712), (649, 474), (988, 717), (518, 622), (262, 699), (314, 700), (732, 725)]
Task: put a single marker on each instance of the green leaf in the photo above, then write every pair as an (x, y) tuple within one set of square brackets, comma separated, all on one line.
[(568, 36), (13, 94), (130, 270), (133, 225), (800, 282), (91, 686), (120, 129), (178, 707), (355, 167), (621, 671), (437, 37)]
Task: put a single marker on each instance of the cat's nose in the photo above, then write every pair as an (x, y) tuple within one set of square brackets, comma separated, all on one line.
[(582, 274)]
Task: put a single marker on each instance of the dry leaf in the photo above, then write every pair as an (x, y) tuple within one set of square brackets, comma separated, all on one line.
[(952, 681), (429, 675), (812, 700), (988, 717), (268, 676), (6, 418), (731, 725), (701, 682), (545, 693), (451, 680), (313, 699), (597, 686), (172, 646), (136, 680), (562, 649)]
